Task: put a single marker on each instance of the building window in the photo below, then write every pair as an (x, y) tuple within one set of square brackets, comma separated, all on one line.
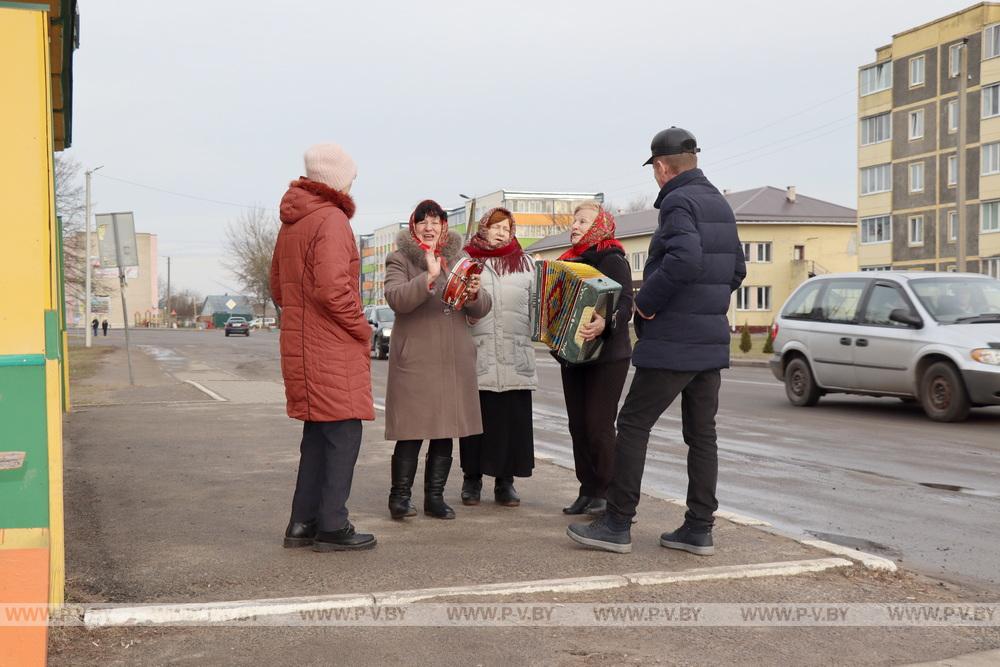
[(746, 253), (763, 298), (990, 159), (764, 252), (917, 177), (799, 253), (952, 170), (885, 267), (876, 78), (991, 41), (877, 229), (638, 260), (954, 59), (916, 71), (989, 216), (952, 225), (991, 100), (991, 267), (916, 230), (876, 129), (952, 116), (916, 124), (876, 179), (743, 298)]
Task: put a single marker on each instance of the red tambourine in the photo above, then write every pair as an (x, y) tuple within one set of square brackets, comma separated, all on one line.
[(456, 290)]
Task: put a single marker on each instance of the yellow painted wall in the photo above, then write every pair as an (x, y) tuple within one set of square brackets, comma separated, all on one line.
[(943, 30), (25, 188), (877, 204), (989, 244)]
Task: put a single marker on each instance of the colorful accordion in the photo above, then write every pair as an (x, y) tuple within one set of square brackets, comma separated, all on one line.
[(565, 298)]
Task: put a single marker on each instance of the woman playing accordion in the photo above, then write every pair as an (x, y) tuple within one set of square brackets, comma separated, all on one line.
[(592, 390)]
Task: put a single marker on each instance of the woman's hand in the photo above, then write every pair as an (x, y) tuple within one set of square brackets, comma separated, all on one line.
[(433, 268), (474, 284), (594, 329)]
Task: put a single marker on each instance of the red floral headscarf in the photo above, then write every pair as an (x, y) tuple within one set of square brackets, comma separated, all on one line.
[(510, 258), (600, 235)]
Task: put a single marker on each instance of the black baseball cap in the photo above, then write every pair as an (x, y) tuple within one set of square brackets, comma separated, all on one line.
[(672, 141)]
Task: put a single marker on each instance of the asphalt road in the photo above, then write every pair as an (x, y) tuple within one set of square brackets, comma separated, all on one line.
[(868, 473)]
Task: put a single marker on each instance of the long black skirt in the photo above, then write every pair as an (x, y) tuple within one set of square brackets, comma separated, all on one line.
[(506, 448)]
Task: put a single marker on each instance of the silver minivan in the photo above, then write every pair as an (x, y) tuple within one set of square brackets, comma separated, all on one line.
[(920, 336)]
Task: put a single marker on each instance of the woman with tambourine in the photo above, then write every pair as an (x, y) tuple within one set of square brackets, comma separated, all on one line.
[(432, 392), (505, 363)]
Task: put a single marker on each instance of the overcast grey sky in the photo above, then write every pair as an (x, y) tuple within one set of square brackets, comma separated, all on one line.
[(218, 99)]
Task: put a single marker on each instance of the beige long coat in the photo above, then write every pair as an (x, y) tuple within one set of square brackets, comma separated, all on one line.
[(432, 390)]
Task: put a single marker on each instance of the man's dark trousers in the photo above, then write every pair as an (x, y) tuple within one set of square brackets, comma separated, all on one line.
[(329, 451), (651, 393)]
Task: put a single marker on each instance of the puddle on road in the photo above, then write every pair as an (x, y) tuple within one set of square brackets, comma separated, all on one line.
[(960, 489)]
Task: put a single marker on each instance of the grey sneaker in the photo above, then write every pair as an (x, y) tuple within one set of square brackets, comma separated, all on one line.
[(699, 543), (598, 535)]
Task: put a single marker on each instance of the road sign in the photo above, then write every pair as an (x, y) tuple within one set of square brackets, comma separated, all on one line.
[(110, 243)]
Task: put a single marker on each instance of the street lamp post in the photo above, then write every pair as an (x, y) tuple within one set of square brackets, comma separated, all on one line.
[(87, 263), (470, 217)]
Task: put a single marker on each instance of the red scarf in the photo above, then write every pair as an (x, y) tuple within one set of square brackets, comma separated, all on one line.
[(601, 236), (510, 258)]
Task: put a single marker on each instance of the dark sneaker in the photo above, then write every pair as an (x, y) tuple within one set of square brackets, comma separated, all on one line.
[(345, 539), (579, 506), (597, 506), (685, 539), (598, 535), (299, 534)]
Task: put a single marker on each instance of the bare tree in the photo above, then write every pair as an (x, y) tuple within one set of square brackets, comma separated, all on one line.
[(637, 204), (184, 303), (71, 209), (250, 242)]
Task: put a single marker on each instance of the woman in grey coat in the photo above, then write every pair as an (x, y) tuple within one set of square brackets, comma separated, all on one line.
[(505, 364), (431, 392)]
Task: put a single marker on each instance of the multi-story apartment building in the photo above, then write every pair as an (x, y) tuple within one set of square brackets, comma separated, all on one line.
[(908, 124), (537, 214), (374, 248)]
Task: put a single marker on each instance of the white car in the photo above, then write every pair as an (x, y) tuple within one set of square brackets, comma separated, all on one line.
[(926, 336)]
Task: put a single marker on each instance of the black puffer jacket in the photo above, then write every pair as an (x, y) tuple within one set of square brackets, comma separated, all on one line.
[(695, 263)]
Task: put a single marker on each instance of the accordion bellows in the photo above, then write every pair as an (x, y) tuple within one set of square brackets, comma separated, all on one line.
[(565, 298)]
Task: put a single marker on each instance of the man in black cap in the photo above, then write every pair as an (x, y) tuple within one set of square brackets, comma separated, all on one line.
[(694, 265)]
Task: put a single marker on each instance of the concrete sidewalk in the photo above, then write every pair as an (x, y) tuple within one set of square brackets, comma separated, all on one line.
[(184, 501)]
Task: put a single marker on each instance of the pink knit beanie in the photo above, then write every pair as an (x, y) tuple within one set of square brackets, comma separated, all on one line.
[(331, 165)]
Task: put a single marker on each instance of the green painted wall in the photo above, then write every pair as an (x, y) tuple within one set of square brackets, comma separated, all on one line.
[(24, 492)]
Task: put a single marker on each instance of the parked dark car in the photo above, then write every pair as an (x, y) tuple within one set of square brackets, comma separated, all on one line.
[(237, 325), (381, 319)]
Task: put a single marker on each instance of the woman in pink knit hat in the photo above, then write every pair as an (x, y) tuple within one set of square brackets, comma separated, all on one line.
[(324, 347)]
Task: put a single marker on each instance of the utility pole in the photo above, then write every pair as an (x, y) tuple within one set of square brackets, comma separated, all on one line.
[(123, 283), (88, 316), (167, 308), (963, 83)]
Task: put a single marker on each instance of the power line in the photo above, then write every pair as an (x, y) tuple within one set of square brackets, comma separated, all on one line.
[(185, 195)]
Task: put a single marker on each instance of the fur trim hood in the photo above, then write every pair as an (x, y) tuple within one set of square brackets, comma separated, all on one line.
[(413, 252), (305, 196)]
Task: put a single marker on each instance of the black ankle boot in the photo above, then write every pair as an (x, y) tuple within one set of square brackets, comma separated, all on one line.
[(403, 472), (300, 534), (504, 493), (472, 487), (436, 470)]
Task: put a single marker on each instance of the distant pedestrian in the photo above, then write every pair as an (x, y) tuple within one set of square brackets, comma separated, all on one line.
[(104, 327), (695, 264), (94, 324), (431, 392), (505, 365), (324, 347)]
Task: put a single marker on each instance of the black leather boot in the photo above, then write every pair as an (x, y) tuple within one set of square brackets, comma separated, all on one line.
[(579, 506), (300, 534), (403, 472), (436, 470), (345, 539), (504, 493), (472, 487)]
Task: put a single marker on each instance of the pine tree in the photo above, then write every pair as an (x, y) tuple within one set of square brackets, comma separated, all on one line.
[(746, 344), (769, 343)]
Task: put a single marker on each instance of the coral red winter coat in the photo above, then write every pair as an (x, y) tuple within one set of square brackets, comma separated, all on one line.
[(325, 339)]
